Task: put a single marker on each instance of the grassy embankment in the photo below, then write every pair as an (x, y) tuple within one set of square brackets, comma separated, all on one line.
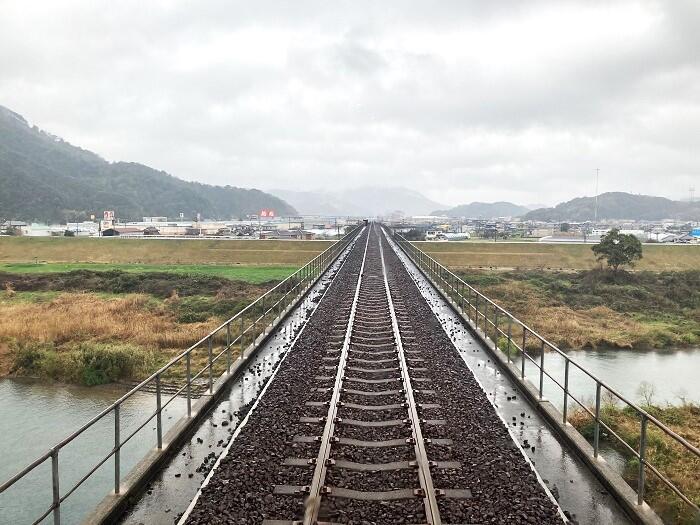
[(106, 318), (672, 459), (527, 255), (560, 291), (592, 308), (158, 251)]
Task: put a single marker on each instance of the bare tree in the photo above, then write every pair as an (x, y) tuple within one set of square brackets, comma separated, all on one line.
[(646, 392)]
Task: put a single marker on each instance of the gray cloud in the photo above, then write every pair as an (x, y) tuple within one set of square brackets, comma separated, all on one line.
[(461, 100)]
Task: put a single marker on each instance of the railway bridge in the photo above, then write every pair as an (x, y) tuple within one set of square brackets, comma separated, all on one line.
[(372, 387)]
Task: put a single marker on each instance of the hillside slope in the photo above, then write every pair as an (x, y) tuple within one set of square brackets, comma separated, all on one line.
[(618, 205), (484, 210), (44, 178), (364, 201)]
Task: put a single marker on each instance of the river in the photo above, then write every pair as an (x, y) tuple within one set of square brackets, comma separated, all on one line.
[(672, 374), (35, 414)]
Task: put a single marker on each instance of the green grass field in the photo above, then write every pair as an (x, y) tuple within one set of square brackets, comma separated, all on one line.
[(247, 273), (158, 251), (510, 255)]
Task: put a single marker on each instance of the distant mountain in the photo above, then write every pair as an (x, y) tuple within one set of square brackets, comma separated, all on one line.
[(44, 178), (484, 210), (618, 205), (365, 201)]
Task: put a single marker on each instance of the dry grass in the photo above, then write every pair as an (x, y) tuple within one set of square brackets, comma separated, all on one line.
[(134, 318), (552, 256), (564, 326), (671, 458), (575, 315), (158, 251)]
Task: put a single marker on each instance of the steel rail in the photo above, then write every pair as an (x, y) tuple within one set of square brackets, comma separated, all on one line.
[(314, 503), (432, 512), (436, 272), (186, 514), (297, 282)]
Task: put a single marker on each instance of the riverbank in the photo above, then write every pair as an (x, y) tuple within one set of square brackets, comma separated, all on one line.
[(594, 308), (92, 327), (672, 460)]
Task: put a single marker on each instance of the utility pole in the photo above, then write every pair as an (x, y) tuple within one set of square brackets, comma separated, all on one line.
[(597, 177)]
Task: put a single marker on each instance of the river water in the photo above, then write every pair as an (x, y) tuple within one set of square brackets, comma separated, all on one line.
[(34, 415), (672, 374)]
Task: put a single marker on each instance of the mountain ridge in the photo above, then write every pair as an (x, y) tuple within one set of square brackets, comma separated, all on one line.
[(361, 201), (484, 210), (43, 177), (618, 206)]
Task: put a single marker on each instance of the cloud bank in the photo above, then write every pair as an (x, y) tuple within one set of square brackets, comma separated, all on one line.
[(459, 100)]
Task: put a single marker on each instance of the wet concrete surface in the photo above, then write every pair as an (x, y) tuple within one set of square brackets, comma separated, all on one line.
[(169, 494), (579, 494)]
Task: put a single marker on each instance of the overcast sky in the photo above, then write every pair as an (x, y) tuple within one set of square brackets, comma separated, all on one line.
[(461, 100)]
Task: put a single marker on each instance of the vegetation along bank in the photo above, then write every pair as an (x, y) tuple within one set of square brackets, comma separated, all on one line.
[(93, 327)]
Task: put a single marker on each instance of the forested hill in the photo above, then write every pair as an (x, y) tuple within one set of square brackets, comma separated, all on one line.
[(484, 210), (45, 178), (618, 205)]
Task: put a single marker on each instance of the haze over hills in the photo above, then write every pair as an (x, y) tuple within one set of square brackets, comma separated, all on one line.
[(485, 210), (618, 205), (45, 178), (366, 201)]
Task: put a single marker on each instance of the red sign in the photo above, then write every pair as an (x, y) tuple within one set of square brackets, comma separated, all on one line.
[(267, 213)]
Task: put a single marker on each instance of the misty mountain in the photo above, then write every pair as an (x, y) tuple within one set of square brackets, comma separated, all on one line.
[(484, 210), (618, 205), (367, 201), (44, 178)]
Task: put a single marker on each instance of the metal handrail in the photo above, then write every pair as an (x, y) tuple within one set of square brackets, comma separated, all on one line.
[(452, 285), (291, 288)]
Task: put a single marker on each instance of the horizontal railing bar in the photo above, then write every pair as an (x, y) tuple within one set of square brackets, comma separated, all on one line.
[(84, 478), (452, 291), (619, 438), (671, 486), (641, 411), (300, 277), (7, 484), (43, 516)]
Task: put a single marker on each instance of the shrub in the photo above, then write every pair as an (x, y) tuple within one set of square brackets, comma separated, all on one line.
[(87, 363)]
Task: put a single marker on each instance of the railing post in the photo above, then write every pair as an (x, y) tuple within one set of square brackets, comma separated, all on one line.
[(228, 349), (642, 460), (262, 315), (188, 367), (486, 317), (55, 487), (496, 336), (279, 305), (242, 349), (542, 371), (255, 323), (522, 354), (596, 430), (211, 365), (476, 309), (566, 389), (117, 450), (510, 337), (159, 416)]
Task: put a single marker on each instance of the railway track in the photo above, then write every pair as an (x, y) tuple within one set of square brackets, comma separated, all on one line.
[(369, 422)]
